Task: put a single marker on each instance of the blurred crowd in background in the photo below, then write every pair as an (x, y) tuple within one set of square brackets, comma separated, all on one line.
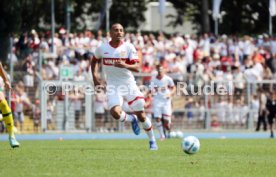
[(194, 59), (217, 56)]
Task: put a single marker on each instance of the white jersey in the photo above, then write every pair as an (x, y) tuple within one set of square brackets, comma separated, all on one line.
[(109, 55), (162, 88)]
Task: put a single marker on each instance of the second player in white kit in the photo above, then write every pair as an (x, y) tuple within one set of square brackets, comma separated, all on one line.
[(163, 90)]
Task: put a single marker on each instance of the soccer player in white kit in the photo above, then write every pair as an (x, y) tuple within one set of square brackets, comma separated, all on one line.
[(119, 58), (163, 90)]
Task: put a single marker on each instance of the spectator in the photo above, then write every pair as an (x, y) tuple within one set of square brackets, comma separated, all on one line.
[(21, 99), (176, 70), (228, 111), (271, 107), (236, 112), (76, 100), (202, 111), (36, 114), (189, 109), (239, 81), (100, 108), (49, 115), (28, 68), (220, 108), (262, 111), (146, 68), (255, 107), (255, 73), (244, 111)]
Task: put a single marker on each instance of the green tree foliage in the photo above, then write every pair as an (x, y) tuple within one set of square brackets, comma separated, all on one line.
[(32, 11), (241, 16), (128, 12), (18, 16), (187, 10), (9, 23), (245, 16)]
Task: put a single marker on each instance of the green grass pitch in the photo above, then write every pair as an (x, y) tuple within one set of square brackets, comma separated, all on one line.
[(131, 158)]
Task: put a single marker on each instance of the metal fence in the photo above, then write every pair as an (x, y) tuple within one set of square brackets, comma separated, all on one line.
[(230, 111), (65, 106)]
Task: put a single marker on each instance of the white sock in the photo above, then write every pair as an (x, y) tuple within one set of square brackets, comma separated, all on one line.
[(160, 129), (126, 117), (148, 128)]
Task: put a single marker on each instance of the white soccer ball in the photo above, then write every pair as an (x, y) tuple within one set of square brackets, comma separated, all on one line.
[(190, 145), (172, 134), (179, 134)]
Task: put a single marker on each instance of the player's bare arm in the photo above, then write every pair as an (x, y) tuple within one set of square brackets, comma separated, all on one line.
[(122, 64), (4, 77), (94, 70), (172, 91)]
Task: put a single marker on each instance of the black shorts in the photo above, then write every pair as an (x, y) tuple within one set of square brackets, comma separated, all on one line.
[(99, 115), (270, 117)]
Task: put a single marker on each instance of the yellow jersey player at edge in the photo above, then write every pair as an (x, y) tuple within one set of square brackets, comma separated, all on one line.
[(6, 110)]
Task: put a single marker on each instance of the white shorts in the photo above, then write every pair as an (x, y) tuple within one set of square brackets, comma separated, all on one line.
[(162, 110), (126, 107), (133, 97)]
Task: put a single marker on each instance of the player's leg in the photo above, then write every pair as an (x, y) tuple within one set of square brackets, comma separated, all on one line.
[(166, 115), (8, 119), (147, 125), (21, 121), (115, 102), (136, 102), (159, 125), (259, 121), (138, 107), (131, 117), (167, 124), (270, 123), (264, 120), (157, 116)]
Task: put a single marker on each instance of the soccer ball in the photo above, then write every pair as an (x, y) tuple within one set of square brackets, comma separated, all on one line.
[(172, 134), (179, 134), (190, 145)]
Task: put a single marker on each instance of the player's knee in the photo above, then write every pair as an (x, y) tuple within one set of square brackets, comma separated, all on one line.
[(115, 112), (141, 116)]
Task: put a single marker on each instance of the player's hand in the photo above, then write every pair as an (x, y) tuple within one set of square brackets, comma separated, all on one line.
[(120, 64), (99, 85), (8, 85), (98, 81), (168, 96)]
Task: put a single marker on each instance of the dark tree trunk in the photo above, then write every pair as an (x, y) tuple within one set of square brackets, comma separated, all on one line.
[(205, 25)]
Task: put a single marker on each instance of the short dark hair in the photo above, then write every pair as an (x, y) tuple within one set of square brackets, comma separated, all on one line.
[(114, 25)]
